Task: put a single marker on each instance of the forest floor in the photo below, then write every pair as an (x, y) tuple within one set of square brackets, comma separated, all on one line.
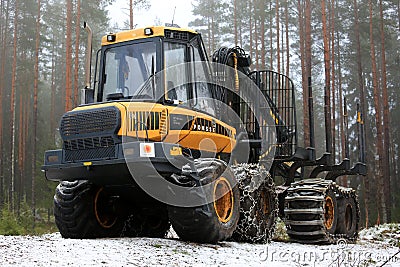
[(378, 246)]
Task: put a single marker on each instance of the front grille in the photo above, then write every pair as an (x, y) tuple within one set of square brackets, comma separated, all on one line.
[(89, 122), (90, 134), (90, 154), (89, 143)]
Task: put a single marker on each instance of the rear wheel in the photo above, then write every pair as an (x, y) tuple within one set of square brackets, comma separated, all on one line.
[(311, 211), (348, 223), (214, 221), (330, 211), (83, 210), (104, 209), (148, 222)]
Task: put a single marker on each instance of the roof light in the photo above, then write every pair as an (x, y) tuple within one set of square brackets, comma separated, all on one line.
[(111, 37), (148, 31)]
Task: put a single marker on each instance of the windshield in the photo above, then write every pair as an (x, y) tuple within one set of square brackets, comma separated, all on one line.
[(127, 71)]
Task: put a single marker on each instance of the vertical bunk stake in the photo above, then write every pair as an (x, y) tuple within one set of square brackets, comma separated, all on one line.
[(346, 137), (311, 118)]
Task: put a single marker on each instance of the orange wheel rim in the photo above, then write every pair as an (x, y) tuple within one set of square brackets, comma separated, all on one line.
[(104, 217), (223, 200), (329, 212)]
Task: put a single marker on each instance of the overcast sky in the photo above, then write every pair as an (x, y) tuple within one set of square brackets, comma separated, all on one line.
[(160, 10)]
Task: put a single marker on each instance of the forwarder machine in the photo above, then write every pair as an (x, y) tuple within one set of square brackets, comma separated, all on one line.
[(166, 137)]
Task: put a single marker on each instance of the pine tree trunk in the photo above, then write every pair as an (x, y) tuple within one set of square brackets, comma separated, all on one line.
[(68, 59), (256, 42), (4, 30), (386, 122), (131, 14), (35, 109), (12, 109), (20, 156), (76, 63), (278, 44), (378, 120), (3, 27), (332, 22), (271, 40), (26, 138), (212, 34), (308, 68), (308, 39), (235, 21), (398, 12), (328, 115), (366, 199), (304, 73), (263, 54), (209, 36), (53, 94), (241, 36), (251, 29), (396, 174), (1, 20), (287, 39)]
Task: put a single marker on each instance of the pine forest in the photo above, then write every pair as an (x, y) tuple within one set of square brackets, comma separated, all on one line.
[(349, 48)]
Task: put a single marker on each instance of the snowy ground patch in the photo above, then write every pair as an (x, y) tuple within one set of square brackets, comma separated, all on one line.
[(53, 250), (385, 234)]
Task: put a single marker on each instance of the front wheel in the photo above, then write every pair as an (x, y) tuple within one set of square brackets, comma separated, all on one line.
[(214, 221), (83, 210)]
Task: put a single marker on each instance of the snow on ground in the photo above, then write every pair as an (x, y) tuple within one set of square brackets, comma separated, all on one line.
[(53, 250), (386, 233)]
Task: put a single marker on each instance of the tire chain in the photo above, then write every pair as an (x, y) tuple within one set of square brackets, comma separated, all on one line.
[(250, 178), (320, 186), (347, 192)]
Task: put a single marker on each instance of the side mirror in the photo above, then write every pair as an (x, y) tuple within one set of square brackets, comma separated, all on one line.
[(87, 95)]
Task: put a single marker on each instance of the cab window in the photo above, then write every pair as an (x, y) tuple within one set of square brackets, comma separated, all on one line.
[(176, 74), (204, 99)]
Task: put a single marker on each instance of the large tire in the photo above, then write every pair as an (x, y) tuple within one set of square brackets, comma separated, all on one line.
[(83, 210), (312, 211), (215, 221), (258, 204), (349, 218), (148, 222)]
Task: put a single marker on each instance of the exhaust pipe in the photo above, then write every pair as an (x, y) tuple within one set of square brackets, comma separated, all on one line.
[(88, 54), (87, 94)]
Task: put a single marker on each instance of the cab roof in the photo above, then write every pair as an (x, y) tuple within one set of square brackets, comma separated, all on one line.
[(143, 33)]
